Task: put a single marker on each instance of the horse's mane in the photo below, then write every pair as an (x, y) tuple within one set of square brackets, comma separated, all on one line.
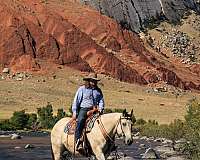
[(111, 116)]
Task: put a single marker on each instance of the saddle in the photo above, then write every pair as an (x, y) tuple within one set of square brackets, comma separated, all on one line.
[(71, 125)]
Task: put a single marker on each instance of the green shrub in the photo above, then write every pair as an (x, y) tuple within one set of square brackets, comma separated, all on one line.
[(32, 121), (193, 115), (70, 110), (150, 129), (193, 146), (177, 130), (192, 118), (189, 129), (60, 114), (173, 131), (153, 122), (154, 130), (45, 117), (19, 119), (108, 110), (119, 110), (140, 121), (6, 126)]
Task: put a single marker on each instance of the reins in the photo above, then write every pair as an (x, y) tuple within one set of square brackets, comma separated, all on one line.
[(123, 134), (107, 136), (105, 133)]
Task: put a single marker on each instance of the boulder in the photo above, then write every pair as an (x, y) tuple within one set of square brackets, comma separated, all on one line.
[(150, 154), (136, 137), (126, 158), (28, 146), (15, 136), (19, 79), (6, 70), (5, 136), (21, 75), (151, 138), (179, 147), (177, 158), (182, 140), (136, 134), (143, 138), (163, 149), (167, 141), (159, 140)]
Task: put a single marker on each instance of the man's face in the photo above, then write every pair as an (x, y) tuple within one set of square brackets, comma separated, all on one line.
[(87, 83), (93, 83)]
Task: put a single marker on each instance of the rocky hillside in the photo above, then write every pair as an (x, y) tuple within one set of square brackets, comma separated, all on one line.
[(35, 32), (137, 14)]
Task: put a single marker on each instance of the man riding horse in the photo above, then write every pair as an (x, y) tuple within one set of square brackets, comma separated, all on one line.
[(88, 97)]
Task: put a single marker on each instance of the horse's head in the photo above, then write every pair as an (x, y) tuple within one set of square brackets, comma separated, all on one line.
[(124, 127)]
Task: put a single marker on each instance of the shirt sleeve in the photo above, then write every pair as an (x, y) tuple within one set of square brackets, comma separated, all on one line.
[(77, 101), (101, 103)]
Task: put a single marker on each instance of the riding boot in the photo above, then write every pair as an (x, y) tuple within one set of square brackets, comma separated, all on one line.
[(79, 145)]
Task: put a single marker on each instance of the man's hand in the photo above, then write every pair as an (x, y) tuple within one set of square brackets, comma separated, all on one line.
[(101, 112), (74, 116), (94, 110)]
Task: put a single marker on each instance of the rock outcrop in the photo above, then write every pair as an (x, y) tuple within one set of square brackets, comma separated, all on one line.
[(136, 14), (38, 33), (33, 32)]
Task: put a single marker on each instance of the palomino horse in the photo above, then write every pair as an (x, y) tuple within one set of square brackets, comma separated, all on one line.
[(100, 137)]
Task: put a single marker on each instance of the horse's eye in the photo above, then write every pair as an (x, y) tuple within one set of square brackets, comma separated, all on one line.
[(124, 124)]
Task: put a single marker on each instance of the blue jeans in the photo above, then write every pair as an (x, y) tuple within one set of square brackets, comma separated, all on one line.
[(82, 116)]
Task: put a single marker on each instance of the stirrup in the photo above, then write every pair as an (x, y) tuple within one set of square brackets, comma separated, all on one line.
[(79, 145)]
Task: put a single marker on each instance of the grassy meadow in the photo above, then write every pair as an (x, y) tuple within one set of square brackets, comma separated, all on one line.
[(35, 92)]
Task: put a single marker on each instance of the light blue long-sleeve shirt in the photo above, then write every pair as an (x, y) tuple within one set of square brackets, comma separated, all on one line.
[(87, 98)]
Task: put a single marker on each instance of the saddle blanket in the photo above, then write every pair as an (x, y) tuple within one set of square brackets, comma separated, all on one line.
[(71, 125)]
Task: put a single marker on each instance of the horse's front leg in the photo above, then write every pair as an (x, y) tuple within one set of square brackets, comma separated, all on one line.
[(99, 153)]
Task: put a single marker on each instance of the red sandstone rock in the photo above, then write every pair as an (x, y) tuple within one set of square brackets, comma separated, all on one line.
[(68, 33)]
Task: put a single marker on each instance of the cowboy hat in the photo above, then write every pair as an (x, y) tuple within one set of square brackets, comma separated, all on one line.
[(91, 76)]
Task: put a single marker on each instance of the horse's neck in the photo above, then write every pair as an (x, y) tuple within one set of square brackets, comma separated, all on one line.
[(110, 122)]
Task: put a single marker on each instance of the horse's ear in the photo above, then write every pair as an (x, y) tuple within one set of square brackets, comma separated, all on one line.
[(124, 112), (131, 112)]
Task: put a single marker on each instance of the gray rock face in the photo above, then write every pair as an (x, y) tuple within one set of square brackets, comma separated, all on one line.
[(136, 14)]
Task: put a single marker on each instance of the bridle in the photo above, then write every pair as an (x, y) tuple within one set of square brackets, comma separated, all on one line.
[(123, 134), (105, 133)]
